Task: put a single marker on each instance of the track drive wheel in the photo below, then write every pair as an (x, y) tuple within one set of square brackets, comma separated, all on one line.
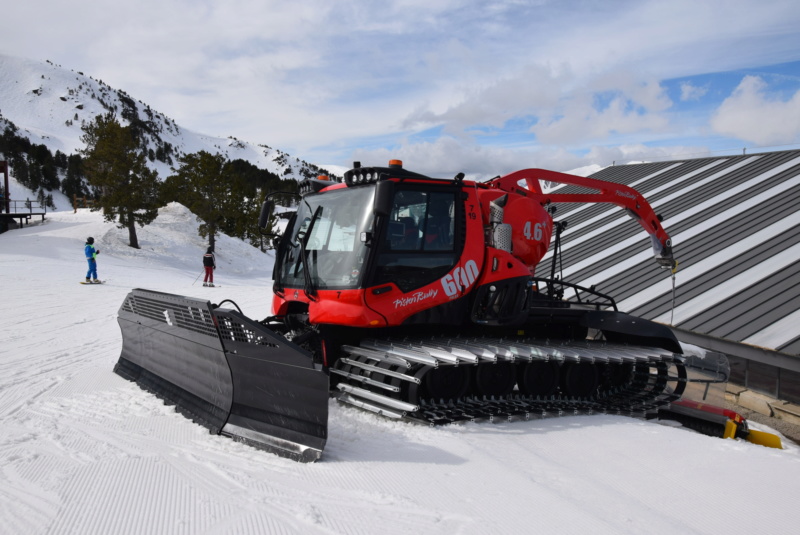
[(495, 379), (615, 376), (447, 382), (538, 378), (579, 379)]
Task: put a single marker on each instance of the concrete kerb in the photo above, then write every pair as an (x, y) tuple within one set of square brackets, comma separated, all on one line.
[(763, 404), (783, 410)]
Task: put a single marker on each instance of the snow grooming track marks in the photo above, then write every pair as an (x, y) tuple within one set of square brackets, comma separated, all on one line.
[(36, 374), (334, 496), (125, 423), (146, 511), (25, 506)]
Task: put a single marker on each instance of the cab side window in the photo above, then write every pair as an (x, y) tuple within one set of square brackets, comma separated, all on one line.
[(421, 243), (422, 221)]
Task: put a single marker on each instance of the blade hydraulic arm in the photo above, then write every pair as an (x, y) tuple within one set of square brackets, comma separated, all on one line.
[(527, 182)]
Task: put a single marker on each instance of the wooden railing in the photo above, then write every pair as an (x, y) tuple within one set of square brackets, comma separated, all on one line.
[(81, 202)]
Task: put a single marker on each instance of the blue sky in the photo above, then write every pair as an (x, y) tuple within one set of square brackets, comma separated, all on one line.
[(484, 87)]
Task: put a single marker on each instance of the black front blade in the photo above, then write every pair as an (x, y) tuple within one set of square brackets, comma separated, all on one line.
[(226, 372), (280, 398)]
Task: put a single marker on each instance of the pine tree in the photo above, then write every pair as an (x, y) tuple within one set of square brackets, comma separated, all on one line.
[(73, 182), (202, 185), (21, 172), (113, 163)]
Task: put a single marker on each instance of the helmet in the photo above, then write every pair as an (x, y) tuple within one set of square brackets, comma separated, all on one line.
[(90, 240)]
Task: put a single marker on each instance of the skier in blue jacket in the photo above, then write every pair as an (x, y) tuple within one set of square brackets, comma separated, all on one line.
[(91, 256)]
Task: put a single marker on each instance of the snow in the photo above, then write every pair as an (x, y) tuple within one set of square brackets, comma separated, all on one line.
[(85, 451)]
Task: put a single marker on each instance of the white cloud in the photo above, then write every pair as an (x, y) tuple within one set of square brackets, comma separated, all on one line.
[(446, 156), (753, 115), (580, 120), (493, 102), (333, 73), (692, 92)]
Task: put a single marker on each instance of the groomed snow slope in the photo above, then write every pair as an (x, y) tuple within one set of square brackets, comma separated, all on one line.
[(84, 451)]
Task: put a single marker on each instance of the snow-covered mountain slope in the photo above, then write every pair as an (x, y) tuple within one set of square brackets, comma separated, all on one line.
[(48, 104), (84, 451)]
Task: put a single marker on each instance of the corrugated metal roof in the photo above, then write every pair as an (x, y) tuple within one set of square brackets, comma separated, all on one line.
[(735, 226)]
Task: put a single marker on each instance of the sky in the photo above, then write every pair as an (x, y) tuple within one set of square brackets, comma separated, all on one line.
[(475, 86), (84, 451)]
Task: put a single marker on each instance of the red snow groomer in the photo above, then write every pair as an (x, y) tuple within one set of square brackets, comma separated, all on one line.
[(415, 298)]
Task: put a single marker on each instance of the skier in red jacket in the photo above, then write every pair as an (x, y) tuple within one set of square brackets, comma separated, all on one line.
[(210, 264)]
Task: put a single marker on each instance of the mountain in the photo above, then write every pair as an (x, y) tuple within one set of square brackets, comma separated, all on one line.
[(48, 104)]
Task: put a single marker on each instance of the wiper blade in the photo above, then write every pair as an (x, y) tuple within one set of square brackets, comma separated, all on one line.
[(308, 286)]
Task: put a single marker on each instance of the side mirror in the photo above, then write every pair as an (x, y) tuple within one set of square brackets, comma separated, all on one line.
[(384, 197), (266, 214)]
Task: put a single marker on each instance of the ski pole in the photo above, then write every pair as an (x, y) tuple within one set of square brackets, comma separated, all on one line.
[(198, 277)]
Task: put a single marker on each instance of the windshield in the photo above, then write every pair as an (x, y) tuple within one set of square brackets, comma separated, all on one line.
[(333, 222)]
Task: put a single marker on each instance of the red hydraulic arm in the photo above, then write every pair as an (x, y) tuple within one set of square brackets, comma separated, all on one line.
[(605, 192)]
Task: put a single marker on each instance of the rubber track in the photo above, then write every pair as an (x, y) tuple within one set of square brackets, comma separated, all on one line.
[(376, 374)]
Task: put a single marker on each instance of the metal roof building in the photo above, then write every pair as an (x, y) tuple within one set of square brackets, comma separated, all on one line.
[(735, 226)]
